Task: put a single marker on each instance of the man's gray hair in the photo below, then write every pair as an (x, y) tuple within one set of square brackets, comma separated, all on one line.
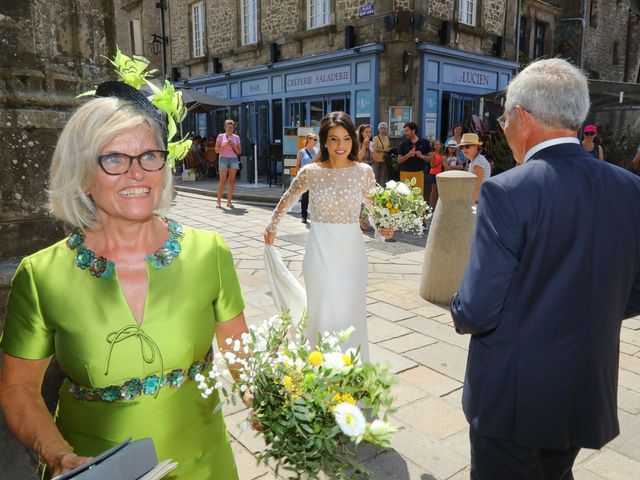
[(555, 92)]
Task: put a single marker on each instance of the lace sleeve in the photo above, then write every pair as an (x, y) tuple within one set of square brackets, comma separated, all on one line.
[(299, 185), (370, 183)]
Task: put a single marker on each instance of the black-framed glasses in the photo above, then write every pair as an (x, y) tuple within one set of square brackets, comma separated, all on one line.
[(589, 134), (120, 163)]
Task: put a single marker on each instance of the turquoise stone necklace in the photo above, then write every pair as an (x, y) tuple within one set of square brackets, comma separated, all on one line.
[(101, 267)]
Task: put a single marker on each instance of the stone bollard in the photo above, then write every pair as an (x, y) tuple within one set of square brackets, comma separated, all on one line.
[(449, 241)]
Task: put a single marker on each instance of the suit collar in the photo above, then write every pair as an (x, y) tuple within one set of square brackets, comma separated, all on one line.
[(549, 143)]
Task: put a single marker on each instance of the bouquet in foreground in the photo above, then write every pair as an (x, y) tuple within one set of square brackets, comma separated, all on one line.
[(399, 205), (310, 403)]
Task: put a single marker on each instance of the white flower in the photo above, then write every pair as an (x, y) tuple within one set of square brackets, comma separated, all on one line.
[(199, 377), (350, 419), (378, 428), (228, 341), (335, 361), (345, 334), (403, 189), (391, 184)]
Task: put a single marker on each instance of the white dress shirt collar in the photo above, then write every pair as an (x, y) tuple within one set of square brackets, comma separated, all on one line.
[(548, 143)]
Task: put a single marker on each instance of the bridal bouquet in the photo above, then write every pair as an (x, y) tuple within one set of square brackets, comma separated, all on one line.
[(399, 205), (310, 403)]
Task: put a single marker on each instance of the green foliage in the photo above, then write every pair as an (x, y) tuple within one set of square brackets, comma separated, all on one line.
[(620, 147)]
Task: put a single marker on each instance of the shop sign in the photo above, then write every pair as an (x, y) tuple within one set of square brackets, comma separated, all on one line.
[(469, 77), (220, 92), (319, 78), (367, 9), (255, 87)]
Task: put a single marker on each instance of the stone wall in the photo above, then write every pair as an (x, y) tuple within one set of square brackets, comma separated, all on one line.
[(50, 53), (609, 28)]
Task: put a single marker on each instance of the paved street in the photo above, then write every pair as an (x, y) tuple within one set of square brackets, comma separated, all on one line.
[(418, 340)]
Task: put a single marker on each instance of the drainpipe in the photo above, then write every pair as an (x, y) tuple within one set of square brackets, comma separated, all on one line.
[(517, 36)]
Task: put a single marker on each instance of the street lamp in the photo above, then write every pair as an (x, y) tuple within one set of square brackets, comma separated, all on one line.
[(157, 43)]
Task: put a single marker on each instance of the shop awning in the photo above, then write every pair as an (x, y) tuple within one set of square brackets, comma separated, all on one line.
[(198, 102), (602, 92)]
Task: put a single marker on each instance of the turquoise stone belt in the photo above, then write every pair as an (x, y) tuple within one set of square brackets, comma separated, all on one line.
[(135, 387)]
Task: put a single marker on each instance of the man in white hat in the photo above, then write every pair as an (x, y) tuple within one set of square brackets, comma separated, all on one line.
[(553, 271)]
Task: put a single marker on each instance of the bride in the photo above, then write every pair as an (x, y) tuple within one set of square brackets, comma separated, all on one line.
[(335, 261)]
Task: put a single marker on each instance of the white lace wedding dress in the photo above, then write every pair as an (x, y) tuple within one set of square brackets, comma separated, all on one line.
[(335, 261)]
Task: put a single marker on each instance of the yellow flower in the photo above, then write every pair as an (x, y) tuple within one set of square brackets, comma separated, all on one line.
[(291, 386), (315, 358), (389, 205), (347, 359), (341, 398)]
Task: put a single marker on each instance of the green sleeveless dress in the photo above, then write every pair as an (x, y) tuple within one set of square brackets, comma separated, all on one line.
[(56, 308)]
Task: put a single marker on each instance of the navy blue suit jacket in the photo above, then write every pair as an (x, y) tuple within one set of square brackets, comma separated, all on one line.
[(554, 268)]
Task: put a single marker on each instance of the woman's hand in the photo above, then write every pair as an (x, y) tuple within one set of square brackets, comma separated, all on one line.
[(66, 461), (387, 233), (269, 237)]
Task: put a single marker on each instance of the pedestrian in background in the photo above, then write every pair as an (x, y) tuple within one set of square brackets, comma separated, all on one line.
[(228, 147), (478, 164), (456, 136), (452, 161), (380, 154), (436, 167), (413, 155), (542, 303), (589, 133), (364, 136), (305, 157)]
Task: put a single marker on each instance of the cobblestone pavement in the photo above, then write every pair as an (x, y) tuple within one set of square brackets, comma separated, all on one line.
[(418, 340)]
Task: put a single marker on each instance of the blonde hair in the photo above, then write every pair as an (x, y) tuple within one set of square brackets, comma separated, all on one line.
[(229, 121), (308, 137), (74, 164)]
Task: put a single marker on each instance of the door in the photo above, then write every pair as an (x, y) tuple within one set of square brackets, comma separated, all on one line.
[(458, 108)]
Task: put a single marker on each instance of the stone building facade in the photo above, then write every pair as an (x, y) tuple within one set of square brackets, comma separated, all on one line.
[(429, 61), (140, 30)]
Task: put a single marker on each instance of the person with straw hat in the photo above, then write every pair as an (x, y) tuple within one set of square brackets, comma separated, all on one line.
[(478, 164)]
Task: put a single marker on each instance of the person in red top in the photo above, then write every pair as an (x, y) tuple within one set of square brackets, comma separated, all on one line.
[(435, 160)]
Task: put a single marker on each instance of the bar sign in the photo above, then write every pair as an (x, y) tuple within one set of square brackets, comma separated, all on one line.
[(367, 9)]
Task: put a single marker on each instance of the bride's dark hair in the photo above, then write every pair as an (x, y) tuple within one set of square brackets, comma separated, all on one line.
[(337, 119)]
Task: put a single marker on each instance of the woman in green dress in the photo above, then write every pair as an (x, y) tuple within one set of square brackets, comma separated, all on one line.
[(129, 304)]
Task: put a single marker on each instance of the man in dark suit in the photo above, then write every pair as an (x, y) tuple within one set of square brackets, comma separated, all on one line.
[(554, 269)]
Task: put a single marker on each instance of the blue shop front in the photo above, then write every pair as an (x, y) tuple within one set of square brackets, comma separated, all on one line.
[(291, 93), (452, 83)]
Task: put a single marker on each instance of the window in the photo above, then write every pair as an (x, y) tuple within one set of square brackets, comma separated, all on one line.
[(319, 13), (135, 37), (593, 13), (539, 39), (249, 21), (524, 46), (467, 12), (197, 27), (616, 51)]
